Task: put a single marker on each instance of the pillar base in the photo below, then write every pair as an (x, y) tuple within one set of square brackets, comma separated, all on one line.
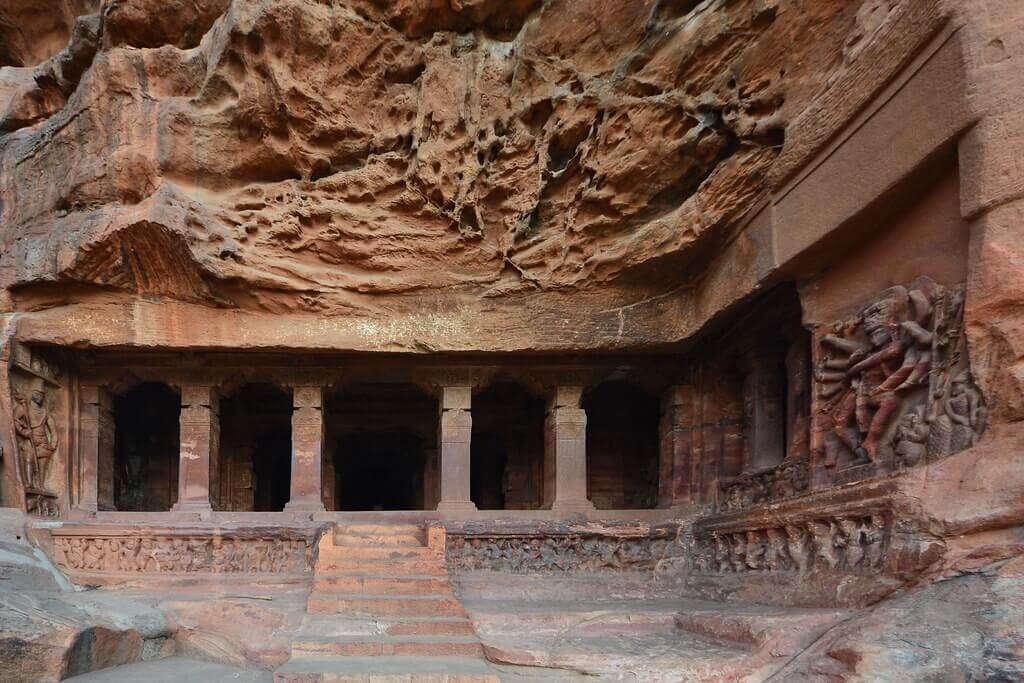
[(304, 506), (192, 506), (456, 507), (572, 507)]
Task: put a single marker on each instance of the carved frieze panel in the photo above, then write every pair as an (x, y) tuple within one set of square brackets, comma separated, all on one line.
[(892, 385), (559, 553), (182, 554), (778, 483), (854, 543)]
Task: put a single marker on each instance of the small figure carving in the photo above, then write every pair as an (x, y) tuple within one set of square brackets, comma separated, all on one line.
[(873, 538), (798, 548), (755, 551), (849, 542), (93, 556), (219, 556), (739, 552), (723, 562), (822, 536), (196, 555), (912, 438), (776, 557), (76, 554)]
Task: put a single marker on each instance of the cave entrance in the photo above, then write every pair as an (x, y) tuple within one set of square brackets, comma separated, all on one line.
[(146, 432), (622, 446), (379, 471), (507, 449), (384, 443), (254, 473)]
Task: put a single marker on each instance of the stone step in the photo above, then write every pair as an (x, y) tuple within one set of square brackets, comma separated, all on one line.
[(339, 563), (386, 670), (350, 540), (409, 584), (384, 606), (378, 553), (379, 529), (382, 646), (335, 625)]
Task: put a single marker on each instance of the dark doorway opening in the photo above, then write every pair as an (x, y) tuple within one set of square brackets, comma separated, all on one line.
[(379, 471), (507, 449), (622, 446), (255, 449), (146, 433), (384, 443)]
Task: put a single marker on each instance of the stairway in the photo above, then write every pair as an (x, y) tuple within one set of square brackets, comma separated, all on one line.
[(382, 609)]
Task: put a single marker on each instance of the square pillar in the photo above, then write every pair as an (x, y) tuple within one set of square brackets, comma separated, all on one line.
[(307, 449), (454, 435), (200, 441), (674, 475), (565, 453), (96, 450)]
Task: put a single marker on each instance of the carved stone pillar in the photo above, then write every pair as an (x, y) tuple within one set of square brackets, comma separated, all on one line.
[(200, 442), (307, 449), (565, 453), (454, 434), (96, 450), (764, 407), (674, 473)]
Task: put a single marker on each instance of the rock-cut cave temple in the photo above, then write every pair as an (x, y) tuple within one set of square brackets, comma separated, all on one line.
[(512, 340)]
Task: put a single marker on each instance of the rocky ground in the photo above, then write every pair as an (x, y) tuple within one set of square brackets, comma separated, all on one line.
[(633, 626)]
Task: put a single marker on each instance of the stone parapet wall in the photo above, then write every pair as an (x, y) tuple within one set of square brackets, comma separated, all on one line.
[(561, 547), (847, 546), (116, 553)]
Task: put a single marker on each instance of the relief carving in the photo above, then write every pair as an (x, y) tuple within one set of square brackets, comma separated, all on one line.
[(892, 386), (183, 555), (522, 554), (37, 433), (847, 544), (787, 480)]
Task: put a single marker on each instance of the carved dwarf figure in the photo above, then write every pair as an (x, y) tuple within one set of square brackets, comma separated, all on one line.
[(126, 555), (723, 563), (196, 554), (755, 550), (37, 437), (873, 536), (798, 547), (147, 555), (75, 554), (775, 554), (822, 537), (93, 556), (849, 542), (180, 557), (739, 552), (236, 561), (218, 556)]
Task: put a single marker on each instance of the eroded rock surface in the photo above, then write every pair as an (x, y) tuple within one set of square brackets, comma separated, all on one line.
[(296, 155)]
